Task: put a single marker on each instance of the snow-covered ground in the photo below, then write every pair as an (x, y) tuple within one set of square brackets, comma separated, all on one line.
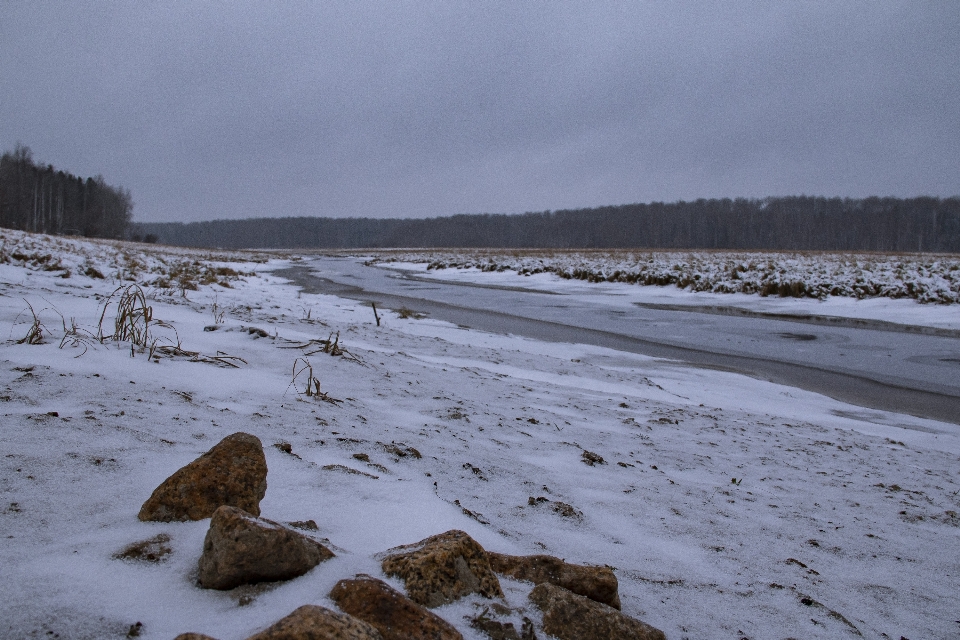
[(927, 278), (728, 506), (904, 311)]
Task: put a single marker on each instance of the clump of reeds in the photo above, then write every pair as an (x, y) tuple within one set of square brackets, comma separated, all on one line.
[(134, 321), (35, 333), (302, 367)]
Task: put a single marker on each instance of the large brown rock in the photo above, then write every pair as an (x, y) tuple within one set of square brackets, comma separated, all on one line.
[(241, 549), (443, 568), (570, 616), (596, 583), (193, 636), (394, 615), (311, 622), (234, 472)]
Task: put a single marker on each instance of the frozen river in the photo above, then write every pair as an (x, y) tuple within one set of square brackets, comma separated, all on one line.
[(873, 365)]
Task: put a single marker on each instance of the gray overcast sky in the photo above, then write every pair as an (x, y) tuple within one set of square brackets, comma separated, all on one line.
[(413, 109)]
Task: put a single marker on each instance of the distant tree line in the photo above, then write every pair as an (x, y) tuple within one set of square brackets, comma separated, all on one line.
[(923, 224), (44, 200)]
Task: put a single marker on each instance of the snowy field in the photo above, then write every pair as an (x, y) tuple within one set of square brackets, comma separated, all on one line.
[(901, 311), (729, 507), (927, 278)]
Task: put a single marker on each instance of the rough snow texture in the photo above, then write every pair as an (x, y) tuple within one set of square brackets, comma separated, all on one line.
[(728, 507), (931, 278)]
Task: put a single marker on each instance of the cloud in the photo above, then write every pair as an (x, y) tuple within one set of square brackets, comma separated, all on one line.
[(420, 109)]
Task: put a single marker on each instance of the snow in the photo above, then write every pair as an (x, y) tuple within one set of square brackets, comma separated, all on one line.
[(926, 278), (904, 311), (841, 520)]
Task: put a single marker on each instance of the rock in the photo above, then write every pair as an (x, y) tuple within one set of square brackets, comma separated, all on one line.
[(394, 615), (443, 568), (311, 622), (400, 450), (306, 525), (193, 636), (570, 616), (591, 458), (498, 630), (234, 473), (596, 583), (560, 508), (153, 550), (241, 549)]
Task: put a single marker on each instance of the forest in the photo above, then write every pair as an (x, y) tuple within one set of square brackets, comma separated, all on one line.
[(44, 200), (923, 224)]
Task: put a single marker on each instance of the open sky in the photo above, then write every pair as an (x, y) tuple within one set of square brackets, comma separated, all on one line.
[(413, 109)]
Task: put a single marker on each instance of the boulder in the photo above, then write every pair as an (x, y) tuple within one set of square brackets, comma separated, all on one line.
[(193, 636), (311, 622), (596, 583), (234, 472), (394, 615), (443, 568), (570, 616), (241, 549)]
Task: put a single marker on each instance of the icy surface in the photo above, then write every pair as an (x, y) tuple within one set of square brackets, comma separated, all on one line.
[(905, 311), (729, 507)]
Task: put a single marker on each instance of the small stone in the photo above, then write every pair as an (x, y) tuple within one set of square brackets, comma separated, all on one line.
[(442, 569), (241, 549), (498, 630), (153, 550), (565, 510), (560, 508), (234, 473), (569, 616), (597, 583), (394, 615), (311, 622), (306, 525), (591, 458)]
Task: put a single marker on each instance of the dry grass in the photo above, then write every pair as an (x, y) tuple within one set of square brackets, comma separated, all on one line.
[(35, 333), (302, 367), (330, 346), (134, 321), (76, 336)]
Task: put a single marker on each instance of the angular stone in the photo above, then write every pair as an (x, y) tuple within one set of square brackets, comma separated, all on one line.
[(596, 583), (394, 615), (570, 616), (241, 549), (311, 622), (443, 568), (234, 473)]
